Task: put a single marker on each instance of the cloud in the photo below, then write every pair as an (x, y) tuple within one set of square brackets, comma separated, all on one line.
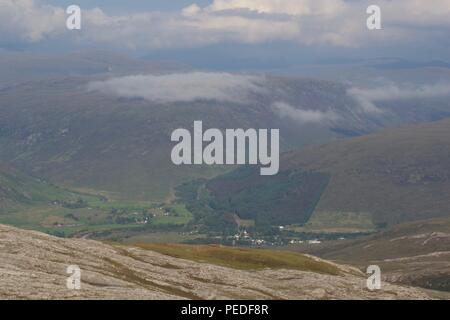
[(414, 13), (284, 110), (24, 20), (183, 87), (367, 98), (340, 23), (191, 10), (287, 7)]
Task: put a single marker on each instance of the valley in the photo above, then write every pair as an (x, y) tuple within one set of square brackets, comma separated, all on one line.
[(67, 130), (225, 150), (89, 164), (314, 197)]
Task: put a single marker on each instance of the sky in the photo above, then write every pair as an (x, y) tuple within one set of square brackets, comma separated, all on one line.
[(121, 6), (230, 33)]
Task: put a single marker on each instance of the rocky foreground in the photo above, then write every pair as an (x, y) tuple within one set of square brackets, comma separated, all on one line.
[(33, 265)]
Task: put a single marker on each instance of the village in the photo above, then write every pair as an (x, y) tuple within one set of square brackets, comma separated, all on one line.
[(243, 237)]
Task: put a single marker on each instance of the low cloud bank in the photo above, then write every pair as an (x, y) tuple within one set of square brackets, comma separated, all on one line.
[(183, 87), (284, 110), (367, 98)]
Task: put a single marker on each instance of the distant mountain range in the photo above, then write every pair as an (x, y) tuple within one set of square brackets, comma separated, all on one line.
[(52, 126), (18, 66)]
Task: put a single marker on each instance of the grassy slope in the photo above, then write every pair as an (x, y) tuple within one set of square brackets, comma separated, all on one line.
[(19, 190), (33, 203), (337, 222), (246, 259)]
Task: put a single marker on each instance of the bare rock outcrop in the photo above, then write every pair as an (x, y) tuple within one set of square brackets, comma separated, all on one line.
[(33, 265)]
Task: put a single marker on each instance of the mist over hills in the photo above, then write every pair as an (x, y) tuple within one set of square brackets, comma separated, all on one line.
[(94, 129)]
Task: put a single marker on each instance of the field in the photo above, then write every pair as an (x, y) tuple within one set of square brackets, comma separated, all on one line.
[(67, 213), (336, 222)]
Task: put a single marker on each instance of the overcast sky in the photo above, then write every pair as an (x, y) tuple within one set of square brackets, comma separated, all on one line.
[(121, 6), (251, 30)]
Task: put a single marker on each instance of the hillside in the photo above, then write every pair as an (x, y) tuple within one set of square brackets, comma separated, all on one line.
[(33, 203), (85, 120), (415, 253), (19, 190), (394, 176), (244, 195), (33, 266), (19, 66), (87, 139), (354, 185)]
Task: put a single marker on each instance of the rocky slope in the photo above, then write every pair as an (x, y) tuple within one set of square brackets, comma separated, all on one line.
[(33, 266), (416, 253)]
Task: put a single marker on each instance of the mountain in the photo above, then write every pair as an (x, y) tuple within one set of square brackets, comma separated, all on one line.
[(59, 130), (33, 266), (359, 184), (395, 176), (367, 72), (16, 66), (54, 125), (415, 253)]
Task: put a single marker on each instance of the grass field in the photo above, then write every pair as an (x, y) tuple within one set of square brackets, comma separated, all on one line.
[(93, 214), (336, 222), (178, 215)]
